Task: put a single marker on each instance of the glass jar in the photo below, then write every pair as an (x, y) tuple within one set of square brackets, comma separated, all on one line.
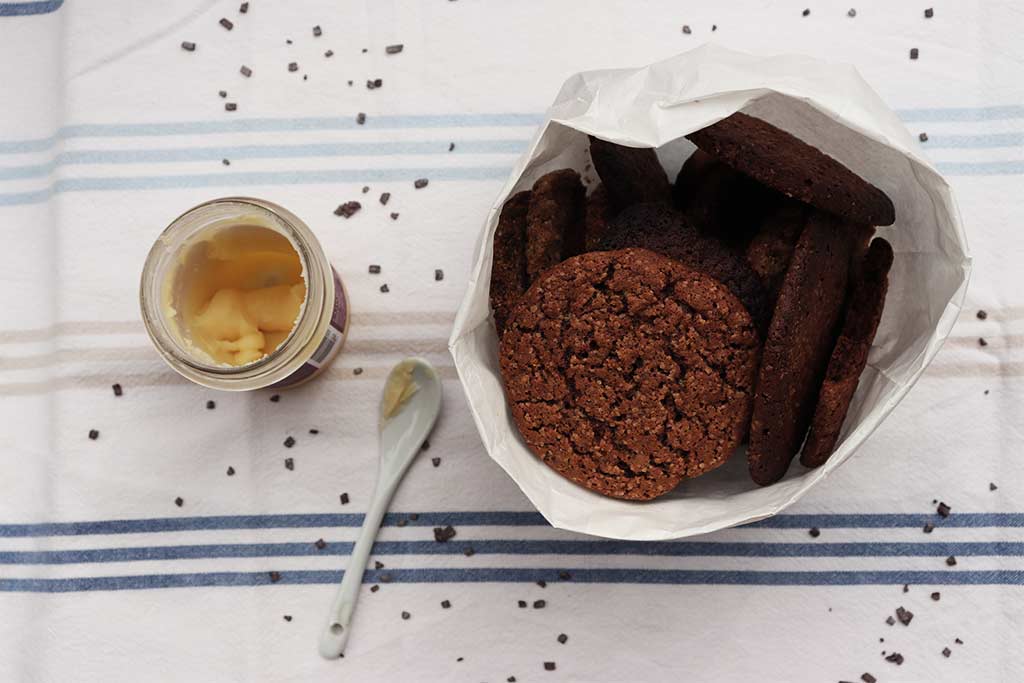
[(316, 336)]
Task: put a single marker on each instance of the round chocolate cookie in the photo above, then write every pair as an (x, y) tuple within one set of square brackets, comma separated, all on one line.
[(662, 229), (627, 371), (850, 355), (791, 166)]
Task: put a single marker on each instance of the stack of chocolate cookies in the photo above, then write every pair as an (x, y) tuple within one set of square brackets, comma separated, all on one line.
[(649, 328)]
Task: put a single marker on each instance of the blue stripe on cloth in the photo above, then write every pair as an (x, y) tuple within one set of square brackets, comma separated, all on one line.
[(520, 575), (481, 518), (24, 9), (981, 167), (936, 114), (519, 547), (370, 149)]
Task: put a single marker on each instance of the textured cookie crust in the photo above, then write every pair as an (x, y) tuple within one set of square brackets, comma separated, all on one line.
[(662, 229), (554, 221), (796, 351), (771, 249), (627, 372), (633, 175), (791, 166), (508, 271), (850, 355)]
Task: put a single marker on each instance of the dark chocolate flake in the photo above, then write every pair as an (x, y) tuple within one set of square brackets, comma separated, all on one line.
[(378, 565), (231, 471), (814, 532), (992, 487), (943, 510), (394, 216), (438, 275), (936, 596), (320, 544), (420, 183), (386, 578), (226, 162), (806, 12), (179, 501), (275, 576), (289, 464), (245, 71), (329, 54), (929, 13), (314, 431), (348, 209), (904, 615), (394, 49), (117, 389), (384, 289), (982, 341), (406, 615), (366, 188), (293, 66), (468, 551), (851, 12), (906, 588), (289, 442), (950, 561), (360, 117), (230, 106), (287, 617), (511, 679), (436, 462), (210, 405), (451, 146), (686, 29), (444, 534), (522, 604), (374, 588), (913, 53), (958, 641), (896, 658), (542, 583), (222, 93), (562, 638), (275, 398), (446, 604), (385, 197), (374, 269), (564, 575), (317, 32), (923, 137), (539, 604), (344, 498), (357, 371), (226, 23), (890, 620), (868, 678), (982, 315), (243, 8), (928, 527), (549, 666), (94, 434), (946, 652), (401, 523), (188, 46)]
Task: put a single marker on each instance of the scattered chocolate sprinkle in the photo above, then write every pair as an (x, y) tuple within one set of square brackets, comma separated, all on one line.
[(950, 561), (289, 464), (982, 342), (360, 117), (275, 398), (420, 183), (890, 620), (243, 8), (384, 198), (288, 41), (226, 23), (188, 46), (913, 53), (438, 275), (928, 527), (549, 666), (374, 588), (348, 209), (564, 576), (320, 544), (377, 564), (868, 678), (117, 389), (851, 13), (357, 371), (179, 501), (289, 442), (350, 84), (814, 532), (929, 13), (511, 679), (982, 315), (329, 53), (806, 12), (986, 392), (231, 471), (923, 137), (539, 604), (386, 578), (714, 27), (226, 162), (94, 434), (958, 641), (451, 146), (287, 617), (230, 106), (446, 604), (293, 66), (401, 523), (445, 534), (245, 71), (436, 462), (365, 50), (374, 270), (275, 576), (906, 588), (943, 510), (896, 658), (542, 583), (425, 446), (373, 84), (459, 659), (904, 615), (406, 615), (366, 188), (394, 49), (394, 216), (522, 604), (562, 638), (946, 652), (992, 487), (384, 289), (317, 32), (936, 596), (414, 516), (314, 431), (210, 405), (686, 29), (344, 499), (222, 93)]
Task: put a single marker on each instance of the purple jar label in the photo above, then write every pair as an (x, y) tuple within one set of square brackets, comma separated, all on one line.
[(329, 346)]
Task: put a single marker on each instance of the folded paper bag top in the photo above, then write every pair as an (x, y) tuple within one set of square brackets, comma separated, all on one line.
[(826, 105)]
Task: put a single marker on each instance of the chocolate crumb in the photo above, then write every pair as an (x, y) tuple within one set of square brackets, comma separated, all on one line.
[(511, 679), (231, 471), (420, 183), (913, 53), (377, 564), (539, 604), (459, 659), (357, 371), (374, 588), (226, 162), (896, 658), (275, 398), (222, 93), (406, 615), (243, 8), (928, 527), (210, 405), (992, 487), (401, 523), (94, 434), (542, 583), (436, 462), (289, 442), (814, 532), (714, 27), (929, 13), (982, 341), (287, 617), (451, 146), (293, 66), (868, 678), (946, 652), (549, 666), (394, 216), (958, 641), (438, 275), (350, 84), (562, 638), (394, 49), (366, 188), (314, 431), (564, 575), (445, 534), (522, 604), (348, 209), (943, 510), (906, 588), (986, 392), (226, 23), (188, 46), (245, 71), (414, 516), (305, 77), (344, 498), (117, 389), (904, 615), (179, 501), (329, 53), (936, 596), (374, 270), (365, 50), (275, 576), (446, 604), (289, 464), (982, 315), (806, 12), (425, 446), (923, 137), (386, 578), (230, 106), (890, 620), (686, 29), (950, 561), (851, 13), (360, 117), (384, 289), (384, 198), (288, 41), (320, 544), (317, 32)]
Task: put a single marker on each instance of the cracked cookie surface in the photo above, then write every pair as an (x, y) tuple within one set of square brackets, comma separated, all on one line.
[(627, 371)]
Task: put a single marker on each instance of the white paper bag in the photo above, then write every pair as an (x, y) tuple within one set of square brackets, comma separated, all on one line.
[(828, 106)]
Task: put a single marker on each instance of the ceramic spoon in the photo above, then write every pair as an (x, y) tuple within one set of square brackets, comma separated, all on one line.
[(409, 408)]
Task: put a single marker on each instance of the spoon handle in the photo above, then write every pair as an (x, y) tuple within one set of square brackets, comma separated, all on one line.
[(332, 642)]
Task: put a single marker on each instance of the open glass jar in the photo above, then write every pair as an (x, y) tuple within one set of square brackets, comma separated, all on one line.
[(237, 294)]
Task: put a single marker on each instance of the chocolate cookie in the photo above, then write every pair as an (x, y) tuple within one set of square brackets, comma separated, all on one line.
[(508, 269), (633, 175), (796, 351), (627, 372), (791, 166), (598, 214), (554, 221), (850, 355), (771, 248), (720, 201), (664, 230)]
